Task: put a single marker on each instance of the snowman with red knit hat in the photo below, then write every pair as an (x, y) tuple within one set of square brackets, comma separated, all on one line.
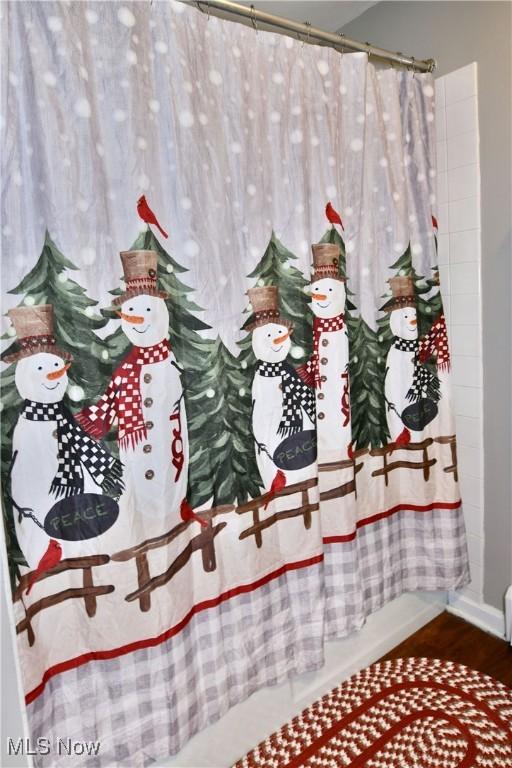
[(55, 463), (145, 399)]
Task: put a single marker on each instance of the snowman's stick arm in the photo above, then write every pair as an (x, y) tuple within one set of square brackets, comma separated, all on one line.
[(177, 404), (22, 511), (261, 446), (391, 406)]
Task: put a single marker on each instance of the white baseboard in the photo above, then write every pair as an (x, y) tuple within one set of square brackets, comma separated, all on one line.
[(251, 721), (482, 615)]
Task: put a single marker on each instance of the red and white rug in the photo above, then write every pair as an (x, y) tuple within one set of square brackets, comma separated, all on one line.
[(406, 713)]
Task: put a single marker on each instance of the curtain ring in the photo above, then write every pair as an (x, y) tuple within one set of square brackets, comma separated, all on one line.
[(199, 8), (253, 19), (308, 25), (342, 35)]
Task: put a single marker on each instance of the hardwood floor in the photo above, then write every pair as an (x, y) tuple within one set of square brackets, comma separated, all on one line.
[(450, 638)]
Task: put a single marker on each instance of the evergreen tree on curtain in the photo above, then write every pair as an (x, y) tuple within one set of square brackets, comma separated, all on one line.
[(222, 460), (367, 368)]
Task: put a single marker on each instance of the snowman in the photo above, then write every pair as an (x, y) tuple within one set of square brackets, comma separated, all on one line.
[(145, 399), (53, 458), (411, 390), (327, 369), (283, 412)]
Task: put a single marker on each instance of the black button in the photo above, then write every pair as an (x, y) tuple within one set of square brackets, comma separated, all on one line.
[(324, 361), (147, 448), (147, 378), (325, 342), (149, 425), (320, 395), (321, 415), (323, 378), (151, 273), (148, 402), (149, 474)]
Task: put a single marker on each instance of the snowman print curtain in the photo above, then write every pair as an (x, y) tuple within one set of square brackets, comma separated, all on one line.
[(227, 433)]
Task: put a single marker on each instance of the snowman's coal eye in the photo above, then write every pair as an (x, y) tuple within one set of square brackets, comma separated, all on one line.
[(39, 367), (148, 309), (56, 365), (130, 309), (330, 290)]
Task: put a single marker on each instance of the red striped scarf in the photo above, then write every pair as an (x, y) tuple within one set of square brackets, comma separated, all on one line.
[(122, 399), (435, 342)]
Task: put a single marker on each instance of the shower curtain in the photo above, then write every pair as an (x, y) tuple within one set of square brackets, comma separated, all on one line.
[(227, 433)]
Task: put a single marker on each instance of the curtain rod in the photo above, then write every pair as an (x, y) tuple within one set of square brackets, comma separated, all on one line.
[(308, 33)]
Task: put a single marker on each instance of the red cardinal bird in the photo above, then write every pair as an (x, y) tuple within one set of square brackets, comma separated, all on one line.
[(278, 483), (187, 513), (434, 223), (404, 438), (147, 214), (333, 216), (51, 557)]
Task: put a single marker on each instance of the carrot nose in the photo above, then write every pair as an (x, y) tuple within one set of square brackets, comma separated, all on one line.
[(319, 296), (280, 339), (134, 319), (413, 322), (57, 374)]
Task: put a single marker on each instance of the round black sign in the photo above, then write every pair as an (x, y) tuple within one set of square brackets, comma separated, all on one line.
[(417, 415), (81, 517), (296, 451)]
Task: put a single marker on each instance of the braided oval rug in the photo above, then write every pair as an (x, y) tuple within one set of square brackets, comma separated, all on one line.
[(405, 713)]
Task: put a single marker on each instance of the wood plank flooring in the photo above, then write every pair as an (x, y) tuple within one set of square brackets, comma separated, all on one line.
[(450, 638)]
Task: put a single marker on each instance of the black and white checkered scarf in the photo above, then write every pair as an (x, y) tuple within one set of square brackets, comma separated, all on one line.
[(74, 448), (424, 382), (296, 395)]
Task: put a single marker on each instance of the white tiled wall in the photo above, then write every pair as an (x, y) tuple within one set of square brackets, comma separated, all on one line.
[(458, 195)]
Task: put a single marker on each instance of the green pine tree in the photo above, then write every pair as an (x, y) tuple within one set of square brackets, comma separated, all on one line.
[(367, 370), (76, 323), (223, 462)]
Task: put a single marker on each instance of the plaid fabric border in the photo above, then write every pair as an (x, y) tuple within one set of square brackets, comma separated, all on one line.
[(405, 552), (146, 705)]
